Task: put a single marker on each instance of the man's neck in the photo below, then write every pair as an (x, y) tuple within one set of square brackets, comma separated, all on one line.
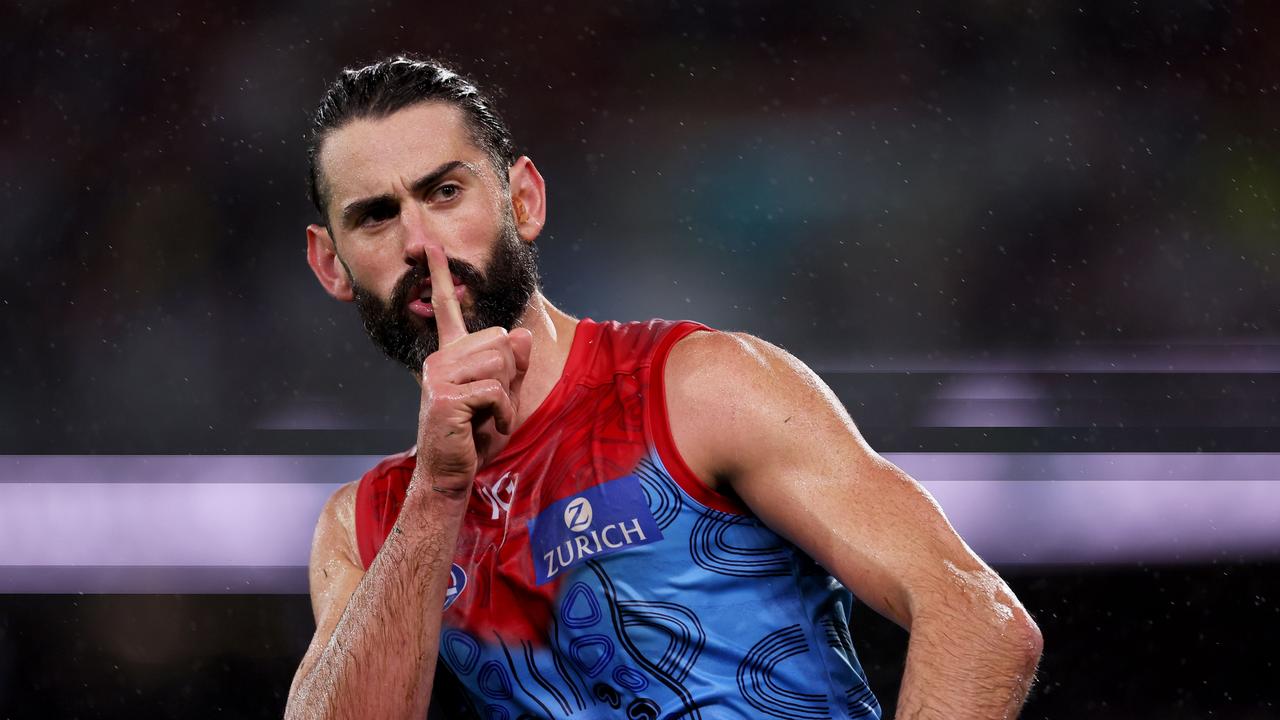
[(553, 333)]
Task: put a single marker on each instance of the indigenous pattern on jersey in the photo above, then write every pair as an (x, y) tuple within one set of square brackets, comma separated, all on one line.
[(597, 577)]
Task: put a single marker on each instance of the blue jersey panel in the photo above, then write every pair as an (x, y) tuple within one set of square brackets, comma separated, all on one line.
[(667, 608)]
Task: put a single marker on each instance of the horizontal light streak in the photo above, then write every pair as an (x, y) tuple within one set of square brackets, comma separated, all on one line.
[(244, 523)]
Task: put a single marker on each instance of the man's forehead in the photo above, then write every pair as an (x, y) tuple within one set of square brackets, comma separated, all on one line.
[(362, 157)]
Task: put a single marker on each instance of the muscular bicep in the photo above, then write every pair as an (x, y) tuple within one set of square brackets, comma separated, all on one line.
[(751, 418), (334, 571)]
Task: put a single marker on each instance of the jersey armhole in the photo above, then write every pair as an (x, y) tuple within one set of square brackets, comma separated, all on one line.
[(364, 521), (658, 428), (384, 484)]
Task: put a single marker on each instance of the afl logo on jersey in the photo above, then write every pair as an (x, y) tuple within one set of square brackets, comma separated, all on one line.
[(577, 517), (457, 583)]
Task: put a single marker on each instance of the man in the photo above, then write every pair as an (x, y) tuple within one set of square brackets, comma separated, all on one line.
[(633, 520)]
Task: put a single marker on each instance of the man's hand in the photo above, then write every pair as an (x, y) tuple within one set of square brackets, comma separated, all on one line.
[(469, 390)]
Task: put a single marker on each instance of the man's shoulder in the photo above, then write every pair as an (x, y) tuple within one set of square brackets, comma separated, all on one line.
[(724, 392), (720, 376), (735, 401), (723, 356)]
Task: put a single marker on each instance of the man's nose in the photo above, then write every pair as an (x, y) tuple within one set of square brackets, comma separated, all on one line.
[(417, 236)]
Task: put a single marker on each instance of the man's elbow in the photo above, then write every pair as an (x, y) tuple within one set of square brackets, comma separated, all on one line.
[(1009, 629), (978, 605), (1024, 642)]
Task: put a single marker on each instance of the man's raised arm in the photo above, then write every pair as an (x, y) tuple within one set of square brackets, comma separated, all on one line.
[(374, 652), (747, 414)]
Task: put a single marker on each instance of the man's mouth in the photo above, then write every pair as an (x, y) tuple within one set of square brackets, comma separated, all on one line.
[(421, 305)]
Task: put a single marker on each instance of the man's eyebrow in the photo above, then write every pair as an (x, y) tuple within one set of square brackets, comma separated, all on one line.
[(356, 208)]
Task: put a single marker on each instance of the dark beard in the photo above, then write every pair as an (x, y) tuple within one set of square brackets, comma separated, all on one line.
[(499, 296)]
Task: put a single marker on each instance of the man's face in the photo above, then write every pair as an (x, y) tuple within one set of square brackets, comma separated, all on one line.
[(412, 179), (498, 294)]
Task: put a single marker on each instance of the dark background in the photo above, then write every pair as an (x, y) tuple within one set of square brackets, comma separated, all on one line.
[(939, 181)]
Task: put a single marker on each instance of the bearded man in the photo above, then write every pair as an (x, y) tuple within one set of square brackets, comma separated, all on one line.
[(599, 519)]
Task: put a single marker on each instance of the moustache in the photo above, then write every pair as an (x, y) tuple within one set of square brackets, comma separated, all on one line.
[(403, 292)]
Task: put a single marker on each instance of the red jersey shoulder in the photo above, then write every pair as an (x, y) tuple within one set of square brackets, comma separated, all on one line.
[(624, 348), (379, 496)]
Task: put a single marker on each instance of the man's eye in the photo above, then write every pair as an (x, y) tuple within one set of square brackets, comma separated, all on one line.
[(377, 215), (446, 192)]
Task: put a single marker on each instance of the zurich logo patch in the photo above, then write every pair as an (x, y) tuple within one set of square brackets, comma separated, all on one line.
[(577, 517), (598, 521), (457, 583)]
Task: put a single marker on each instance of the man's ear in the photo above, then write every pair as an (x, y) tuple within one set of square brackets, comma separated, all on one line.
[(528, 198), (322, 256)]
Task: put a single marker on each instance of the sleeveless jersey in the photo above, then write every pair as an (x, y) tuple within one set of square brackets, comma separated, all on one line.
[(597, 577)]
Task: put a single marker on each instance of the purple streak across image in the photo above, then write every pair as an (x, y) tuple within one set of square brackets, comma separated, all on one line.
[(244, 523)]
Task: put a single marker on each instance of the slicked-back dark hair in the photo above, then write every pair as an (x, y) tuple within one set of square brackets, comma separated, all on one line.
[(378, 90)]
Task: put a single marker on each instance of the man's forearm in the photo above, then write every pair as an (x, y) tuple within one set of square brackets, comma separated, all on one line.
[(381, 659), (977, 668)]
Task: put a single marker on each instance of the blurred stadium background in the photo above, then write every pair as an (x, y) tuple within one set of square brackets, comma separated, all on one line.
[(1032, 246)]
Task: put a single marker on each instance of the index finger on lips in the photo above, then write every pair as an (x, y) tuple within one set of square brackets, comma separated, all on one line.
[(444, 300)]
